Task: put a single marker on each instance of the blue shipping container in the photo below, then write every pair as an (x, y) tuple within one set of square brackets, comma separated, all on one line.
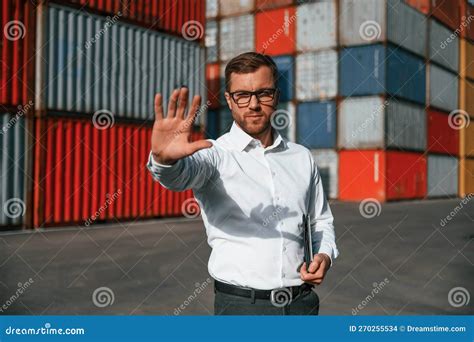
[(212, 125), (376, 69), (285, 83), (316, 124)]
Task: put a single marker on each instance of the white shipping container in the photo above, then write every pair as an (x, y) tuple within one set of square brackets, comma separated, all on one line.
[(373, 122), (87, 64), (327, 162), (442, 176), (285, 119), (370, 21), (316, 26), (236, 35), (212, 7), (211, 41), (232, 7), (316, 75), (444, 46), (443, 88)]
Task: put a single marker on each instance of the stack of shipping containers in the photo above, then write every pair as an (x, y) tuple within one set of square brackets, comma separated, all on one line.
[(369, 86), (466, 102), (96, 70)]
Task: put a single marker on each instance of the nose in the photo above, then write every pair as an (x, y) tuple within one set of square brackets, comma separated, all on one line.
[(254, 103)]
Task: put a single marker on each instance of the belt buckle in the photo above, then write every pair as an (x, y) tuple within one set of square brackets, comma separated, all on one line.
[(281, 296)]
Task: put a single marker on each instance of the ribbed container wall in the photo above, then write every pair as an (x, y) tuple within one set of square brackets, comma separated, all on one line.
[(84, 173), (443, 46), (169, 16), (275, 31), (316, 75), (327, 163), (443, 88), (16, 49), (382, 175), (117, 71), (285, 82), (211, 41), (373, 122), (236, 35), (271, 4), (286, 123), (212, 8), (316, 124), (227, 8), (442, 136), (442, 176), (13, 204), (317, 17)]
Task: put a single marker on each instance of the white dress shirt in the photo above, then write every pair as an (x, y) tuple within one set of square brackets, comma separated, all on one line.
[(252, 200)]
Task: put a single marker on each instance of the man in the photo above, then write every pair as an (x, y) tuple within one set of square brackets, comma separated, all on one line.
[(253, 188)]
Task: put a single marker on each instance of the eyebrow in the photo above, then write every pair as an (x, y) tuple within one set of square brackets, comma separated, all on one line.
[(266, 88)]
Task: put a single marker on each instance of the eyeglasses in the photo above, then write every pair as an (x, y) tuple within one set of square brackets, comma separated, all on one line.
[(242, 98)]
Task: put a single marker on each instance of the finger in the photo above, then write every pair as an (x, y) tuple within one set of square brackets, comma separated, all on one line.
[(303, 272), (194, 110), (172, 104), (182, 102), (198, 145), (158, 107), (315, 264)]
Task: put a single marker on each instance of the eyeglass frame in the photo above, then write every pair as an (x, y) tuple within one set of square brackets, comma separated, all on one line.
[(276, 93)]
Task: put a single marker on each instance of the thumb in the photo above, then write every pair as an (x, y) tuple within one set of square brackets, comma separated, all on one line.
[(315, 264), (199, 145)]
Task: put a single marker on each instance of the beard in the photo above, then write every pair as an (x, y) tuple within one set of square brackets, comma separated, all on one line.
[(254, 126)]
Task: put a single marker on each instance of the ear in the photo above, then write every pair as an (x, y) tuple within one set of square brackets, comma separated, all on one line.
[(277, 97), (228, 100)]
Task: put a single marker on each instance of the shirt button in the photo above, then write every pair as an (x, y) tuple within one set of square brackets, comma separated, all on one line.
[(284, 275), (273, 173), (284, 248)]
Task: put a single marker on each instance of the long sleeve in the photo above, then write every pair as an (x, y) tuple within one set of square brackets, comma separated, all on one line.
[(192, 172), (323, 232)]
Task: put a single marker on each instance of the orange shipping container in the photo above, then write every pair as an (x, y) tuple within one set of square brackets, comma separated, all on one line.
[(84, 174), (466, 177), (275, 31), (421, 5), (466, 96), (213, 84), (466, 138), (382, 175)]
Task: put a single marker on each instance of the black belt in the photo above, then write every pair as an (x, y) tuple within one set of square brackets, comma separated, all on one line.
[(283, 292)]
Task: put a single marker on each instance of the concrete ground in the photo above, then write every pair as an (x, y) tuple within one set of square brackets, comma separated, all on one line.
[(401, 262)]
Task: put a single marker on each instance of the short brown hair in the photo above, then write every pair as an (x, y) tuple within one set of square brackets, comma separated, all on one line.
[(248, 62)]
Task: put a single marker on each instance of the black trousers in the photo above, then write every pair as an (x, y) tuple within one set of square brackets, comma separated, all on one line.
[(306, 303)]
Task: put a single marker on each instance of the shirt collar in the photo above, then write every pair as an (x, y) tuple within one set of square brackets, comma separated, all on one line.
[(241, 140)]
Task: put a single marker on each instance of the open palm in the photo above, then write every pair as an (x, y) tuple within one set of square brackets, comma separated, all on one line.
[(171, 135)]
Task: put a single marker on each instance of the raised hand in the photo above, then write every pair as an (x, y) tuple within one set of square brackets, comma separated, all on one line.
[(171, 135)]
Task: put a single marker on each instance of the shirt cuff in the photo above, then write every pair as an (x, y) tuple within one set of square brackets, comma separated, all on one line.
[(328, 251)]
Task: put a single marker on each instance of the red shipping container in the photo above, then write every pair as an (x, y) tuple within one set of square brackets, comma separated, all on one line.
[(275, 31), (421, 5), (213, 84), (269, 4), (381, 175), (442, 138), (17, 61), (448, 12), (467, 20), (173, 16), (83, 174)]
